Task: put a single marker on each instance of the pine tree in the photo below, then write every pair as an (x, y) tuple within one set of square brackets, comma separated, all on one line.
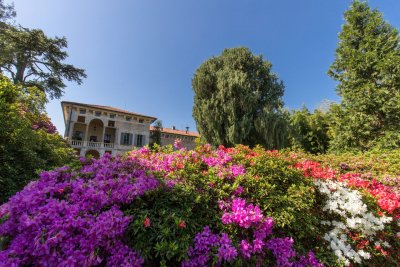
[(237, 100), (367, 67), (33, 59)]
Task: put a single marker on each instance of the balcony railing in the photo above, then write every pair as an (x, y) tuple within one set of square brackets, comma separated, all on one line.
[(108, 145), (79, 143), (93, 144)]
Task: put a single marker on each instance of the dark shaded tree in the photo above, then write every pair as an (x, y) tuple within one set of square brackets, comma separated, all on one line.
[(238, 100), (155, 134), (367, 67)]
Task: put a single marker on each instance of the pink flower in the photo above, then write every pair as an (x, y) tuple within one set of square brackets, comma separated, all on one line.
[(147, 222), (182, 224), (178, 144), (245, 248)]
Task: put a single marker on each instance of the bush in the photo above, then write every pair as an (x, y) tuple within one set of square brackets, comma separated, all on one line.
[(28, 140), (228, 207)]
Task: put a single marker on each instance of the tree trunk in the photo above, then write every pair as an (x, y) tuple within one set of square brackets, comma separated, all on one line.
[(19, 76)]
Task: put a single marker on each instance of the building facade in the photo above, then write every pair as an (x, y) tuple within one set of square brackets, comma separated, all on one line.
[(168, 137), (96, 130)]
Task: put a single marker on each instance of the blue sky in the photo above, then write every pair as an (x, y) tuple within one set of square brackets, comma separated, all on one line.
[(144, 53)]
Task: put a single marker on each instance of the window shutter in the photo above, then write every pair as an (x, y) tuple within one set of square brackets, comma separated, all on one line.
[(135, 141), (122, 139), (130, 139), (143, 140)]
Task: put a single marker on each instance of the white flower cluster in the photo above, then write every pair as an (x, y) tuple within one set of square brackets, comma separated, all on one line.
[(348, 204)]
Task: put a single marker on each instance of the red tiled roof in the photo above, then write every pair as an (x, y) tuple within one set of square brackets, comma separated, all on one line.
[(180, 132), (107, 108)]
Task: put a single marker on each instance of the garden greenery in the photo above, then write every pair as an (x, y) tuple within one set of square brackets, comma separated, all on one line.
[(224, 207), (28, 139)]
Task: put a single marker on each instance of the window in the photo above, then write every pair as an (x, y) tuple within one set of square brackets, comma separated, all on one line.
[(107, 138), (112, 116), (97, 114), (139, 140), (82, 111), (125, 139), (140, 121), (78, 135), (166, 136), (128, 119), (81, 119), (111, 123)]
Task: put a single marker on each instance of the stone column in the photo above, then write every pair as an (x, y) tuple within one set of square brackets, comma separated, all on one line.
[(116, 138), (71, 130), (104, 131), (86, 135)]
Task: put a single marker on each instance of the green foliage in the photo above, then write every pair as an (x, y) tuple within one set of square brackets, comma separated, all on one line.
[(367, 67), (238, 100), (164, 240), (33, 59), (155, 134), (24, 150), (309, 131)]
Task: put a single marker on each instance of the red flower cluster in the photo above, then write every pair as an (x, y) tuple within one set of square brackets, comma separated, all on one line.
[(387, 200)]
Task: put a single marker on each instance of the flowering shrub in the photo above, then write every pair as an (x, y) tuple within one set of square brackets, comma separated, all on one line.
[(43, 123), (28, 140), (225, 207)]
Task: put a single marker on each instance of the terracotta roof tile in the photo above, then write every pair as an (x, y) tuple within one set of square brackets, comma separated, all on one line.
[(108, 108), (180, 132)]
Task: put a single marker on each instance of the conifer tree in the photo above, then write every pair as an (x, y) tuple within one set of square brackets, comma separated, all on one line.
[(238, 100), (33, 59), (367, 67)]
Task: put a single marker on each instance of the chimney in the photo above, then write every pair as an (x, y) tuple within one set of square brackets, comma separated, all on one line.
[(173, 127), (187, 129)]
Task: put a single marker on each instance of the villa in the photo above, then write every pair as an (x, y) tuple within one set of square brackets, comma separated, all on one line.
[(96, 130)]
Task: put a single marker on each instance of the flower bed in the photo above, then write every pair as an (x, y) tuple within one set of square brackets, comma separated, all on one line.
[(224, 207)]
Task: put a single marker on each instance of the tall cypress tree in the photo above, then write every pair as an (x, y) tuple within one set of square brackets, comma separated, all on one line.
[(367, 67), (238, 100)]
